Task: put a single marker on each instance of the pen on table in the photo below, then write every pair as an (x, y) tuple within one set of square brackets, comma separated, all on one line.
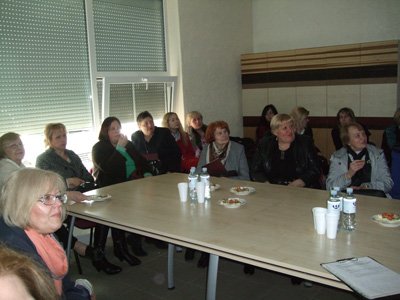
[(346, 259)]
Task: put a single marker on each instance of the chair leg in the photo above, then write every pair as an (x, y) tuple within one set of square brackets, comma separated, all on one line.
[(91, 237), (78, 262)]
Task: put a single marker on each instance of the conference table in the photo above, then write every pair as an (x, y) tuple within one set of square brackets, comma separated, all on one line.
[(273, 230)]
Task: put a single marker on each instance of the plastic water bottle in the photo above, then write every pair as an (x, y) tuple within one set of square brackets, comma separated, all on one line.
[(192, 180), (205, 177), (349, 210), (334, 202), (340, 195)]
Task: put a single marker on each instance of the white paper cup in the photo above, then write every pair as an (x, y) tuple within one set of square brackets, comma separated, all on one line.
[(332, 219), (319, 214), (183, 191), (200, 189)]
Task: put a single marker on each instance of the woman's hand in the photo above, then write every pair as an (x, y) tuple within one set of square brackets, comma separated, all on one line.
[(297, 183), (74, 182), (355, 166), (122, 141), (76, 196)]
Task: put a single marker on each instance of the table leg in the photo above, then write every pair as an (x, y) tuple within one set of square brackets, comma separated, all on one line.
[(212, 277), (71, 232), (171, 251)]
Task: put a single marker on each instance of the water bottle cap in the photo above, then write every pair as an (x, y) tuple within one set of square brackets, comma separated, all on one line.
[(333, 192), (192, 169), (204, 169), (336, 188), (349, 190)]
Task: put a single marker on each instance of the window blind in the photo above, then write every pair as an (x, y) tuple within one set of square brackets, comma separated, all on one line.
[(128, 100), (44, 66), (129, 35)]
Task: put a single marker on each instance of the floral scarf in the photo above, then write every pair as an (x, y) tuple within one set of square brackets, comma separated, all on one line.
[(214, 153)]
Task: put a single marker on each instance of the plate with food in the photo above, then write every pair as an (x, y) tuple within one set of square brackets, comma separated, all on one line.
[(242, 190), (98, 198), (387, 219), (214, 186), (232, 202)]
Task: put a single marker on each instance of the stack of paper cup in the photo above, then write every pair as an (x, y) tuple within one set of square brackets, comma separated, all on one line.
[(200, 188), (183, 191), (319, 214), (332, 219)]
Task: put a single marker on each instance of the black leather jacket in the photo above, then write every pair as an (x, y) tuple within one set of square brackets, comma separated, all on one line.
[(306, 168)]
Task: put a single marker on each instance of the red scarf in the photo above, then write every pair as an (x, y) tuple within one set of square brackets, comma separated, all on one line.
[(52, 254)]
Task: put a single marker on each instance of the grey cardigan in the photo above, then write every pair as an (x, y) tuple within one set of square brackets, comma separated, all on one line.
[(236, 161), (380, 175), (50, 160)]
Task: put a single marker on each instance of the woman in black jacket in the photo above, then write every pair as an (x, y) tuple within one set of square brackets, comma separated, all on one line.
[(286, 158), (116, 160)]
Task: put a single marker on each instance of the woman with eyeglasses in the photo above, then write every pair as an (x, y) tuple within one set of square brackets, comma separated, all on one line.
[(32, 209)]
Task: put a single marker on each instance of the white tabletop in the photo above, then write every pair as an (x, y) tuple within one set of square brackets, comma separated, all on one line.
[(273, 230)]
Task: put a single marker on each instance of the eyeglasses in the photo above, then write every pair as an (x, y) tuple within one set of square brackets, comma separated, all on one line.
[(50, 200), (14, 146)]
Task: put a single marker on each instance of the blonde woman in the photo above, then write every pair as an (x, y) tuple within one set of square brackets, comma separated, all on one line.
[(32, 209), (188, 155), (196, 130), (301, 120)]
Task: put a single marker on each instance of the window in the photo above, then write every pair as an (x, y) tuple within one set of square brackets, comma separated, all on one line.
[(45, 68), (47, 62)]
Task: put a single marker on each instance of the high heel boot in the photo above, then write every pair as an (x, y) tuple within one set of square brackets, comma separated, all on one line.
[(121, 251), (102, 264)]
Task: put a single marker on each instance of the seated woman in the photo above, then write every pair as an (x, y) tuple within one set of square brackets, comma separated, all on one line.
[(69, 166), (286, 158), (344, 116), (222, 157), (12, 152), (196, 130), (32, 209), (157, 145), (188, 158), (263, 126), (391, 137), (116, 160), (23, 278), (359, 165), (301, 120)]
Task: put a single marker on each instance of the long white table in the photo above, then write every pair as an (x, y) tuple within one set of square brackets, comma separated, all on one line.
[(273, 230)]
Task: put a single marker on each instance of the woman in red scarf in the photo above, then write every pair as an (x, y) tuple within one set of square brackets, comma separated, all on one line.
[(32, 210)]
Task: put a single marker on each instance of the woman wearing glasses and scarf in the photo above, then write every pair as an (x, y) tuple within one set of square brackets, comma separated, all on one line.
[(359, 165), (32, 209)]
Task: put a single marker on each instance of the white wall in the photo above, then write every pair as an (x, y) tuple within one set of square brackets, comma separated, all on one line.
[(292, 24), (213, 34)]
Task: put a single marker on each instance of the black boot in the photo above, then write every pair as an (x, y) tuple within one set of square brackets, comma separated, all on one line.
[(121, 251), (135, 241), (189, 254), (203, 261), (248, 269), (101, 263)]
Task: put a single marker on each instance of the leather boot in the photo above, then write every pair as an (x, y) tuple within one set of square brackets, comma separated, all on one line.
[(101, 263), (135, 241), (248, 269), (121, 251), (203, 261)]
